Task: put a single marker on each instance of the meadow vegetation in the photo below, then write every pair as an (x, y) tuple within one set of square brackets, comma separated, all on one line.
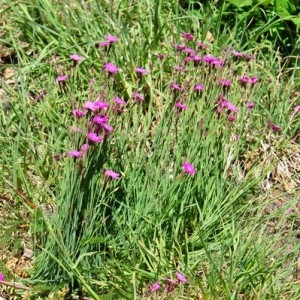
[(150, 150)]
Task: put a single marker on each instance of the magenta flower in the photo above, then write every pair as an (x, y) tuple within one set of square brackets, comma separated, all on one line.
[(112, 174), (218, 63), (92, 136), (211, 60), (141, 71), (181, 278), (104, 44), (171, 284), (76, 57), (180, 69), (179, 47), (242, 55), (160, 56), (78, 113), (2, 277), (187, 36), (175, 86), (253, 80), (250, 105), (111, 68), (231, 107), (100, 119), (195, 58), (208, 58), (107, 127), (188, 50), (57, 158), (84, 148), (61, 78), (231, 118), (101, 104), (237, 54), (275, 127), (297, 109), (188, 168), (198, 87), (171, 281), (75, 153), (119, 101), (88, 105), (137, 96), (244, 80), (155, 287), (180, 105), (225, 82), (201, 45), (111, 39)]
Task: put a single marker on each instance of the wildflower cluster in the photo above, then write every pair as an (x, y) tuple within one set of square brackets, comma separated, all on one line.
[(169, 284), (198, 80)]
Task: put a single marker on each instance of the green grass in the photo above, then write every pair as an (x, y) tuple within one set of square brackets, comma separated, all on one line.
[(115, 238)]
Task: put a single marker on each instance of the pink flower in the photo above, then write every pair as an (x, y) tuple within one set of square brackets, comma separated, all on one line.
[(84, 148), (237, 54), (275, 127), (195, 58), (179, 47), (175, 86), (253, 80), (180, 105), (244, 80), (201, 45), (198, 87), (57, 158), (187, 36), (180, 69), (119, 101), (188, 168), (112, 174), (188, 50), (188, 59), (92, 136), (76, 57), (225, 82), (61, 78), (104, 44), (75, 153), (100, 119), (297, 109), (88, 105), (160, 56), (141, 71), (181, 278), (155, 287), (111, 39), (1, 277), (171, 284), (78, 113), (107, 127), (242, 55), (250, 105), (101, 104), (231, 107), (111, 68), (137, 96), (231, 118), (211, 60)]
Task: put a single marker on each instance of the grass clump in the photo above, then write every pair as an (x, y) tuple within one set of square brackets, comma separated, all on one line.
[(155, 147)]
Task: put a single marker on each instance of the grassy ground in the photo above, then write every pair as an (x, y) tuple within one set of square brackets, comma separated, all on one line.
[(206, 156)]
